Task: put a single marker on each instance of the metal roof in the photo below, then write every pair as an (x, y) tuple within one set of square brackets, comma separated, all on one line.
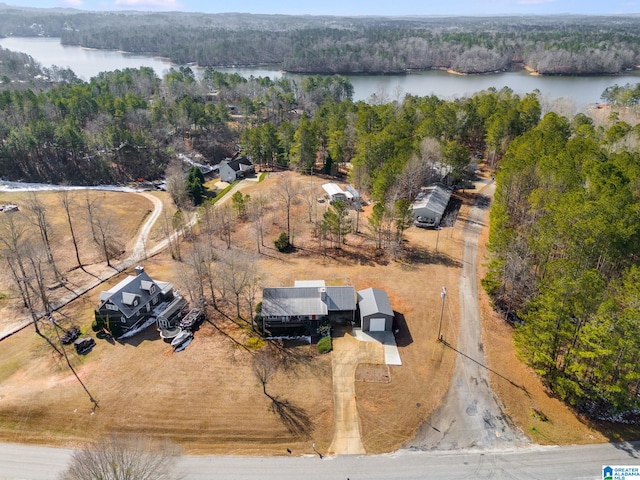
[(373, 301), (434, 198), (304, 299), (332, 189), (341, 298), (290, 301)]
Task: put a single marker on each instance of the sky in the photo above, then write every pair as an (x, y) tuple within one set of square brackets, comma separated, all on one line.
[(354, 7)]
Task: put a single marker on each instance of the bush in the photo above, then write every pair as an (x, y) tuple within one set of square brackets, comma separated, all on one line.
[(98, 323), (325, 345), (282, 243), (255, 343)]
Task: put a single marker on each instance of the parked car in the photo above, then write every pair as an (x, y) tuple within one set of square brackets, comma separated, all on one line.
[(70, 335), (84, 345)]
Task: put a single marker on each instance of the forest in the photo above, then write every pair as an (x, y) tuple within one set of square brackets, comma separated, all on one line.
[(573, 45), (564, 237), (565, 224)]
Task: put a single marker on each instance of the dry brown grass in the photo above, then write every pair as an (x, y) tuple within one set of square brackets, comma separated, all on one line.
[(207, 398), (128, 211)]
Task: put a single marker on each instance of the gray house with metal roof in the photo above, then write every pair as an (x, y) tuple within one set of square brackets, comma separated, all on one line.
[(376, 314), (132, 301), (307, 304), (430, 205)]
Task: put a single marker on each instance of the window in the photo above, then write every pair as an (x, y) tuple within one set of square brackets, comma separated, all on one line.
[(111, 306)]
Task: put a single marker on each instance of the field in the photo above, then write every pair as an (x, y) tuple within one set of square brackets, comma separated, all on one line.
[(207, 398)]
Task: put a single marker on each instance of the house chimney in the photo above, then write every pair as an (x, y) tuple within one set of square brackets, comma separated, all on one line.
[(323, 293), (139, 269)]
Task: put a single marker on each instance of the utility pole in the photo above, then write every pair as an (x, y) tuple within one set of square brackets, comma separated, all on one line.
[(443, 295)]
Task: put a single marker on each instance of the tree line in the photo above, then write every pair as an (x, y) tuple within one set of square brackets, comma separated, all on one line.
[(550, 45), (564, 265)]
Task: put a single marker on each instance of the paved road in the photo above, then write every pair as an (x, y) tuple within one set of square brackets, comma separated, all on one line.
[(471, 415), (21, 462)]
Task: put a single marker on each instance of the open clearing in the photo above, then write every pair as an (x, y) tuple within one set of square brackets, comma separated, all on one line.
[(207, 398)]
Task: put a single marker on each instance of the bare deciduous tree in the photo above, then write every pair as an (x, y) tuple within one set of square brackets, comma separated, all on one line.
[(265, 366), (257, 214), (176, 184), (286, 192), (66, 204), (25, 262), (39, 218), (237, 271), (123, 458)]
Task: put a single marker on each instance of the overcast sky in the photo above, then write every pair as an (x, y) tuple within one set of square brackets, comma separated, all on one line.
[(355, 7)]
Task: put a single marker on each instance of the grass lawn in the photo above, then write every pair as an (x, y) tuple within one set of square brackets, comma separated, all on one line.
[(207, 397)]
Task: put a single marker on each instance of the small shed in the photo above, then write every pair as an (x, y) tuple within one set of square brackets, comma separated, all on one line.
[(376, 314)]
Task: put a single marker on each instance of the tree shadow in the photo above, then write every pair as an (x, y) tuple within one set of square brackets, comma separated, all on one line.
[(447, 344), (416, 255), (401, 330), (631, 448), (295, 419)]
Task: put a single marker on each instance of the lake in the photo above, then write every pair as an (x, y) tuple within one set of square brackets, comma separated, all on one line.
[(580, 91)]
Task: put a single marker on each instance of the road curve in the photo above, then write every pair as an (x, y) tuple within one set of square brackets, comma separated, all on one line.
[(470, 415), (139, 249)]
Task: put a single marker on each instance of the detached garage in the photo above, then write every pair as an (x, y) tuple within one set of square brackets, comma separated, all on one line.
[(376, 314)]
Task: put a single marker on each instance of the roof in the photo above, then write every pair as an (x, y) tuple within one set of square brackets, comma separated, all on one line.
[(434, 198), (307, 297), (131, 294), (341, 298), (289, 301), (238, 164), (332, 189), (373, 301), (351, 192)]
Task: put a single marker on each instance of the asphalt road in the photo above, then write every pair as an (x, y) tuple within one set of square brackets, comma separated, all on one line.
[(22, 462)]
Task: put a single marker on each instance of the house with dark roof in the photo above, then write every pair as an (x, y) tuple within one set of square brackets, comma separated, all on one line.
[(234, 169), (127, 305), (376, 314), (429, 206), (306, 305)]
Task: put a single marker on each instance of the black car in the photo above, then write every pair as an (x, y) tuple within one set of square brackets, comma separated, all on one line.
[(84, 345), (70, 335)]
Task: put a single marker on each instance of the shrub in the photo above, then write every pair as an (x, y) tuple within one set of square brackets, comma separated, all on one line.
[(325, 345), (255, 343), (98, 323), (282, 243)]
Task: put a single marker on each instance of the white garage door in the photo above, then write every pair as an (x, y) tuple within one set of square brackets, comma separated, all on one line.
[(377, 324)]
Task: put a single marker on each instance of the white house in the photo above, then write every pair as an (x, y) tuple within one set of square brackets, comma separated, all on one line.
[(335, 192)]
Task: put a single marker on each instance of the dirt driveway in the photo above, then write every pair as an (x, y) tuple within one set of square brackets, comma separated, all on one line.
[(348, 353), (470, 415)]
